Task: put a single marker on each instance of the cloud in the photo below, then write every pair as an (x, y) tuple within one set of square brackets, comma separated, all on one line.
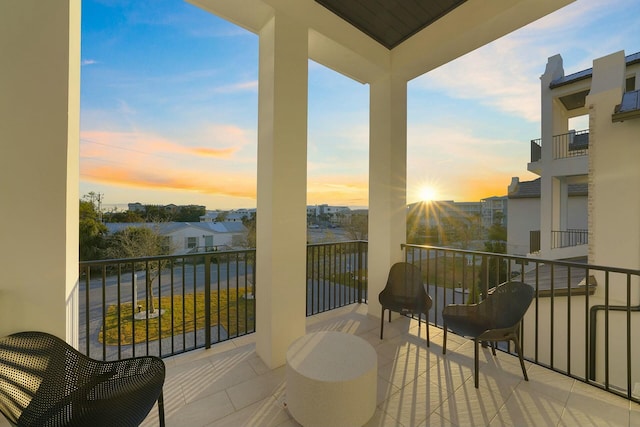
[(251, 86), (203, 182), (484, 75), (504, 74), (88, 62), (461, 165), (144, 160)]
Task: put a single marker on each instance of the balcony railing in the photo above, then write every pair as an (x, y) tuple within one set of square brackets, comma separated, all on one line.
[(571, 144), (559, 239), (336, 275), (534, 241), (581, 323), (536, 150), (202, 298), (569, 238)]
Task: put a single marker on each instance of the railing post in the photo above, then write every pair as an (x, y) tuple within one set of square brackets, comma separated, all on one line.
[(358, 271), (207, 301)]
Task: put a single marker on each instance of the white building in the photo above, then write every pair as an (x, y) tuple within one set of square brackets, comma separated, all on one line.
[(524, 217), (494, 211), (604, 159), (573, 163), (333, 214), (234, 215), (191, 237)]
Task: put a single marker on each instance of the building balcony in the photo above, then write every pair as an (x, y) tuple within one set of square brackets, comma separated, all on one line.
[(570, 145), (228, 385), (576, 338)]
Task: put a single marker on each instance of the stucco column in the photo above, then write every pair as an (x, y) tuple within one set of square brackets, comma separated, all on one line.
[(39, 133), (387, 181), (614, 177), (282, 184), (553, 122)]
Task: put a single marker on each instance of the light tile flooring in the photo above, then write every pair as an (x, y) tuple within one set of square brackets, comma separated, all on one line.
[(229, 385)]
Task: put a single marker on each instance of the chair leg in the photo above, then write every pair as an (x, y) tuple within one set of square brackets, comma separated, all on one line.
[(426, 325), (444, 339), (382, 322), (475, 362), (161, 409), (493, 347), (519, 350)]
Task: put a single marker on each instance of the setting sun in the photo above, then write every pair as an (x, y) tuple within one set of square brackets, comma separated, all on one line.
[(428, 194)]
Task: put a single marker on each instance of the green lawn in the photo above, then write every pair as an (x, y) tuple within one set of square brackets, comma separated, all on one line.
[(228, 309)]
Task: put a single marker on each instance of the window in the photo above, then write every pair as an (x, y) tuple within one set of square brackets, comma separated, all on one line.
[(192, 242)]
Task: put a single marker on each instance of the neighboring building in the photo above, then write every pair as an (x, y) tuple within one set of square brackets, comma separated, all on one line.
[(190, 237), (136, 207), (234, 215), (588, 208), (523, 222), (328, 213), (582, 193), (494, 211)]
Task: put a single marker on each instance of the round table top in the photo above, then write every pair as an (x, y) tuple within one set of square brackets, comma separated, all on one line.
[(331, 356)]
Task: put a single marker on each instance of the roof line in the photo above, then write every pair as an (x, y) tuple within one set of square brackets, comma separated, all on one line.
[(634, 58)]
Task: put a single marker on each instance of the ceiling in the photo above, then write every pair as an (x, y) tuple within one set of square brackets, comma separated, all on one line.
[(390, 22)]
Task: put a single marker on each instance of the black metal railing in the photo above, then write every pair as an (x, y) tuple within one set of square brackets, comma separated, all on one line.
[(534, 241), (336, 275), (582, 322), (536, 150), (167, 305), (569, 238), (571, 144)]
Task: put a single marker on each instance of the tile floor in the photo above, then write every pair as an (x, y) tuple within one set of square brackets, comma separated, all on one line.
[(229, 385)]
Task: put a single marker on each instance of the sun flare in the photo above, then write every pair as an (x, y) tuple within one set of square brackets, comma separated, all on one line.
[(428, 194)]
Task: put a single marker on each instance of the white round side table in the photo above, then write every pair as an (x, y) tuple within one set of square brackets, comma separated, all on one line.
[(331, 379)]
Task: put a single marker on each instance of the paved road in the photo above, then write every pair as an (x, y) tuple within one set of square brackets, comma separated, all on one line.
[(171, 282)]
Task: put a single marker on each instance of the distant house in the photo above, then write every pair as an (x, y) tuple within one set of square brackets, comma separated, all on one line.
[(332, 214), (524, 213), (234, 215), (192, 237)]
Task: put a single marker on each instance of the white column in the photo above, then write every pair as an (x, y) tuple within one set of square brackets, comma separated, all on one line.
[(282, 185), (553, 122), (387, 181), (615, 177), (39, 133)]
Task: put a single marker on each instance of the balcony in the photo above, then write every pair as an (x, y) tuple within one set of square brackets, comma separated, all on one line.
[(228, 385), (559, 239), (576, 337), (571, 145)]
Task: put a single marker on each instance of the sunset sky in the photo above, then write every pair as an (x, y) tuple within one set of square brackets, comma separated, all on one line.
[(169, 107)]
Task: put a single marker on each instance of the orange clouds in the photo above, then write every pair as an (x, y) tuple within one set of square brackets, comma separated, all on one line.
[(340, 190), (145, 161), (201, 183), (210, 152)]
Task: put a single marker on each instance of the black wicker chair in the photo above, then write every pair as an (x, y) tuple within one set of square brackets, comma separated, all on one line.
[(405, 293), (496, 318), (46, 382)]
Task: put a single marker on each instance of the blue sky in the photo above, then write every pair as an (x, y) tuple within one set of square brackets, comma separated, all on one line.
[(169, 107)]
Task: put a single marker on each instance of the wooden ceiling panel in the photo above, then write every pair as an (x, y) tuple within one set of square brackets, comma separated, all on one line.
[(390, 22)]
